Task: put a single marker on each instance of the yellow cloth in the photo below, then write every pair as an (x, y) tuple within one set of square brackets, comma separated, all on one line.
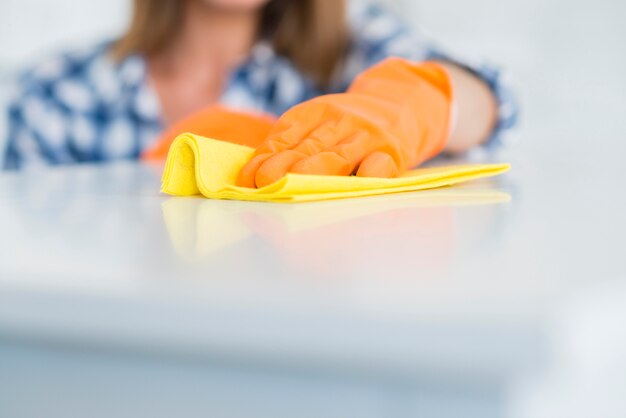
[(198, 165)]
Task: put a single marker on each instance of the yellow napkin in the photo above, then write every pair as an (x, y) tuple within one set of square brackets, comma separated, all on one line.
[(198, 165)]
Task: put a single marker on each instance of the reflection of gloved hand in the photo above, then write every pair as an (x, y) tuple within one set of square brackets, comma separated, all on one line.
[(394, 116), (216, 122)]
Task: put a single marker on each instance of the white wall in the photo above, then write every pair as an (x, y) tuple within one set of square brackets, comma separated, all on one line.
[(32, 27), (567, 57)]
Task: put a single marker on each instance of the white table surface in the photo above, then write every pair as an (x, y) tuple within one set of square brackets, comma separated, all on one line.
[(465, 284)]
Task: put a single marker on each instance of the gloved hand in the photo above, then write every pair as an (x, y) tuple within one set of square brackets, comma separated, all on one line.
[(394, 116), (217, 122)]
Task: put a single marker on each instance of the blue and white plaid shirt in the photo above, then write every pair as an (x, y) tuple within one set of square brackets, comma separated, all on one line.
[(85, 107)]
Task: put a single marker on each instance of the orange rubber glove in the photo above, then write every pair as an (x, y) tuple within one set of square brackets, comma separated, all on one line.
[(394, 116), (216, 122)]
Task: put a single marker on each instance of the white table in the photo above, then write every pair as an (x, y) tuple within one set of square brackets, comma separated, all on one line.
[(116, 300)]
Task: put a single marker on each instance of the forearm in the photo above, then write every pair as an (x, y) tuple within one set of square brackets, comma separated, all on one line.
[(476, 109)]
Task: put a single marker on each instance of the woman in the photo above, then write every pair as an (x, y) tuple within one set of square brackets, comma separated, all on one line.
[(180, 56)]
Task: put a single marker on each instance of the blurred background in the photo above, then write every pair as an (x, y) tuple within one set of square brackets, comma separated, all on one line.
[(566, 57)]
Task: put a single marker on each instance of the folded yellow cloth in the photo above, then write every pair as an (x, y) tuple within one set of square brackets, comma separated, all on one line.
[(198, 165)]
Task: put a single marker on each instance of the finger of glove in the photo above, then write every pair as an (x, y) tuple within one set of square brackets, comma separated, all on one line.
[(323, 163), (378, 164), (296, 124), (338, 160), (273, 168), (246, 176), (318, 140), (282, 139), (276, 166)]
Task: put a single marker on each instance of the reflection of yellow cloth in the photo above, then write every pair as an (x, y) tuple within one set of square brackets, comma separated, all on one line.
[(198, 165), (199, 227)]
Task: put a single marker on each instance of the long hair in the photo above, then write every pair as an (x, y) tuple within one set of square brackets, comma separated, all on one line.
[(311, 33)]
